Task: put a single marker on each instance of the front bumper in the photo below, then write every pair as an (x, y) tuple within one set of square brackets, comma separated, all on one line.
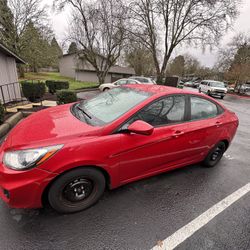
[(23, 189), (214, 93)]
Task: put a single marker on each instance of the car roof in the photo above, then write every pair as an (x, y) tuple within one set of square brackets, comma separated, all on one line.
[(159, 89), (125, 79), (140, 77), (211, 81)]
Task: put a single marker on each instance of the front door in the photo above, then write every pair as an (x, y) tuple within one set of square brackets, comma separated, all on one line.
[(142, 155)]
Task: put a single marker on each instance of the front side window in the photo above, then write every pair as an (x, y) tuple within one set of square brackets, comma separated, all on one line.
[(163, 112), (131, 82), (110, 105), (202, 109), (121, 82)]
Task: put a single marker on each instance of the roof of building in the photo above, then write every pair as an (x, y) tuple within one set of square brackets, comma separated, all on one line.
[(86, 66), (7, 52), (114, 69)]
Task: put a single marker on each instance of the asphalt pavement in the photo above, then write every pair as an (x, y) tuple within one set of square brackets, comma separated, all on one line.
[(141, 215)]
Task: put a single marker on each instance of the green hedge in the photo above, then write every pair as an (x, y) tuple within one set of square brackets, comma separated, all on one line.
[(33, 90), (2, 113), (53, 86), (65, 96)]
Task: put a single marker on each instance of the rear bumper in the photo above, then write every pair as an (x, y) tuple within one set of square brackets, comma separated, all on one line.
[(23, 189)]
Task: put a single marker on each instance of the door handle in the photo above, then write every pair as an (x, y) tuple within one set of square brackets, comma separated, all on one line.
[(177, 133), (218, 124)]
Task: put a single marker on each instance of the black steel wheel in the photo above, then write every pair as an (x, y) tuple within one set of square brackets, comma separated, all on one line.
[(215, 155), (76, 190)]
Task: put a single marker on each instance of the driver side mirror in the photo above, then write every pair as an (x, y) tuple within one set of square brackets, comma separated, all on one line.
[(141, 128)]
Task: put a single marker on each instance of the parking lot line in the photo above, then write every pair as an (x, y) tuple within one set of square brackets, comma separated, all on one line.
[(188, 230)]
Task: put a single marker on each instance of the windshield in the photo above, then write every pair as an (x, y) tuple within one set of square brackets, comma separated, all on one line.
[(110, 105), (217, 84)]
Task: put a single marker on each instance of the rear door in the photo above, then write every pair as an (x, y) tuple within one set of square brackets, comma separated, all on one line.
[(205, 126)]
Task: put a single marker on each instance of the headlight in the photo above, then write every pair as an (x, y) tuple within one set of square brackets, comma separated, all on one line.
[(24, 159)]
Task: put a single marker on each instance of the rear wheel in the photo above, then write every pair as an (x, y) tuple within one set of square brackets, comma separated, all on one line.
[(105, 89), (215, 155), (76, 190)]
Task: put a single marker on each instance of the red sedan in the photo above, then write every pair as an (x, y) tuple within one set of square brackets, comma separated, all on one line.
[(69, 154)]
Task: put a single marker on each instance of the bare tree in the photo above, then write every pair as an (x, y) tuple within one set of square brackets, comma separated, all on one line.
[(97, 27), (234, 59), (23, 13), (162, 25), (139, 57)]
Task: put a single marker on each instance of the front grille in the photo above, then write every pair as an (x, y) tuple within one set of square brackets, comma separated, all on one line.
[(219, 91)]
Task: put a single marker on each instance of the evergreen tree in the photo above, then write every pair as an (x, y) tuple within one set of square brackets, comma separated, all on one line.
[(56, 52), (72, 48), (7, 30), (37, 50)]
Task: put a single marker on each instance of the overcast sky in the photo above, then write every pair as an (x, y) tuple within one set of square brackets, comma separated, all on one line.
[(207, 58)]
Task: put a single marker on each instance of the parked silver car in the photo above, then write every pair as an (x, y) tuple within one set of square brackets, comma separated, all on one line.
[(124, 81), (142, 79)]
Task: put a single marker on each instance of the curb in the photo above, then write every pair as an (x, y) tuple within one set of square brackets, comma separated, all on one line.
[(86, 90), (12, 122), (239, 96)]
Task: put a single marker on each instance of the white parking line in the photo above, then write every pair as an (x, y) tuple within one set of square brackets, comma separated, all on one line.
[(188, 230)]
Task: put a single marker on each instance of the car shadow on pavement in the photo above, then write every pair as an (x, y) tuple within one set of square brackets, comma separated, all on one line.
[(146, 208)]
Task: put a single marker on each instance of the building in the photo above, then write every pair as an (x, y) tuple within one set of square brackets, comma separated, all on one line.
[(9, 86), (71, 66)]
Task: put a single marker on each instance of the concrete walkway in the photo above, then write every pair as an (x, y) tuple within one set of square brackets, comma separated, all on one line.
[(46, 103)]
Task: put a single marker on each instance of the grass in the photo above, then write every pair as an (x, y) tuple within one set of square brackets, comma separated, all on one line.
[(73, 84)]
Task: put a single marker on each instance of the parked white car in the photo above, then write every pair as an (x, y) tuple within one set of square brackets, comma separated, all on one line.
[(142, 79), (213, 88), (124, 81)]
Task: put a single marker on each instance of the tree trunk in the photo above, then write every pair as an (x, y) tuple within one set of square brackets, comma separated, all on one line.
[(20, 70), (101, 77)]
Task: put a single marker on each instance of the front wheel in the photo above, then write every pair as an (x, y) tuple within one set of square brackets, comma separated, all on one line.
[(76, 190), (221, 97), (215, 155), (199, 90)]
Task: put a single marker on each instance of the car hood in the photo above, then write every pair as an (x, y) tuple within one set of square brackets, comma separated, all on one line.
[(52, 126)]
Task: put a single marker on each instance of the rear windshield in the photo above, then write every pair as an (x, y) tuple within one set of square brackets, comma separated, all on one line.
[(110, 105)]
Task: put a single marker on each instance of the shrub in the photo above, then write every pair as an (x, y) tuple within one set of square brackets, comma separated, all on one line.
[(65, 96), (53, 86), (2, 113), (33, 90)]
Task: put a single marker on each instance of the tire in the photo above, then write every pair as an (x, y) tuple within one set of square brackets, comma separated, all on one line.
[(221, 97), (208, 93), (215, 155), (199, 90), (105, 89), (76, 190)]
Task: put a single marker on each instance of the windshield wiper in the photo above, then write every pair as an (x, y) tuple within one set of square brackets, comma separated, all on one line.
[(83, 111)]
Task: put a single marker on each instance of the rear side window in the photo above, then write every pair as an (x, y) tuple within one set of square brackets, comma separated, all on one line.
[(202, 109)]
